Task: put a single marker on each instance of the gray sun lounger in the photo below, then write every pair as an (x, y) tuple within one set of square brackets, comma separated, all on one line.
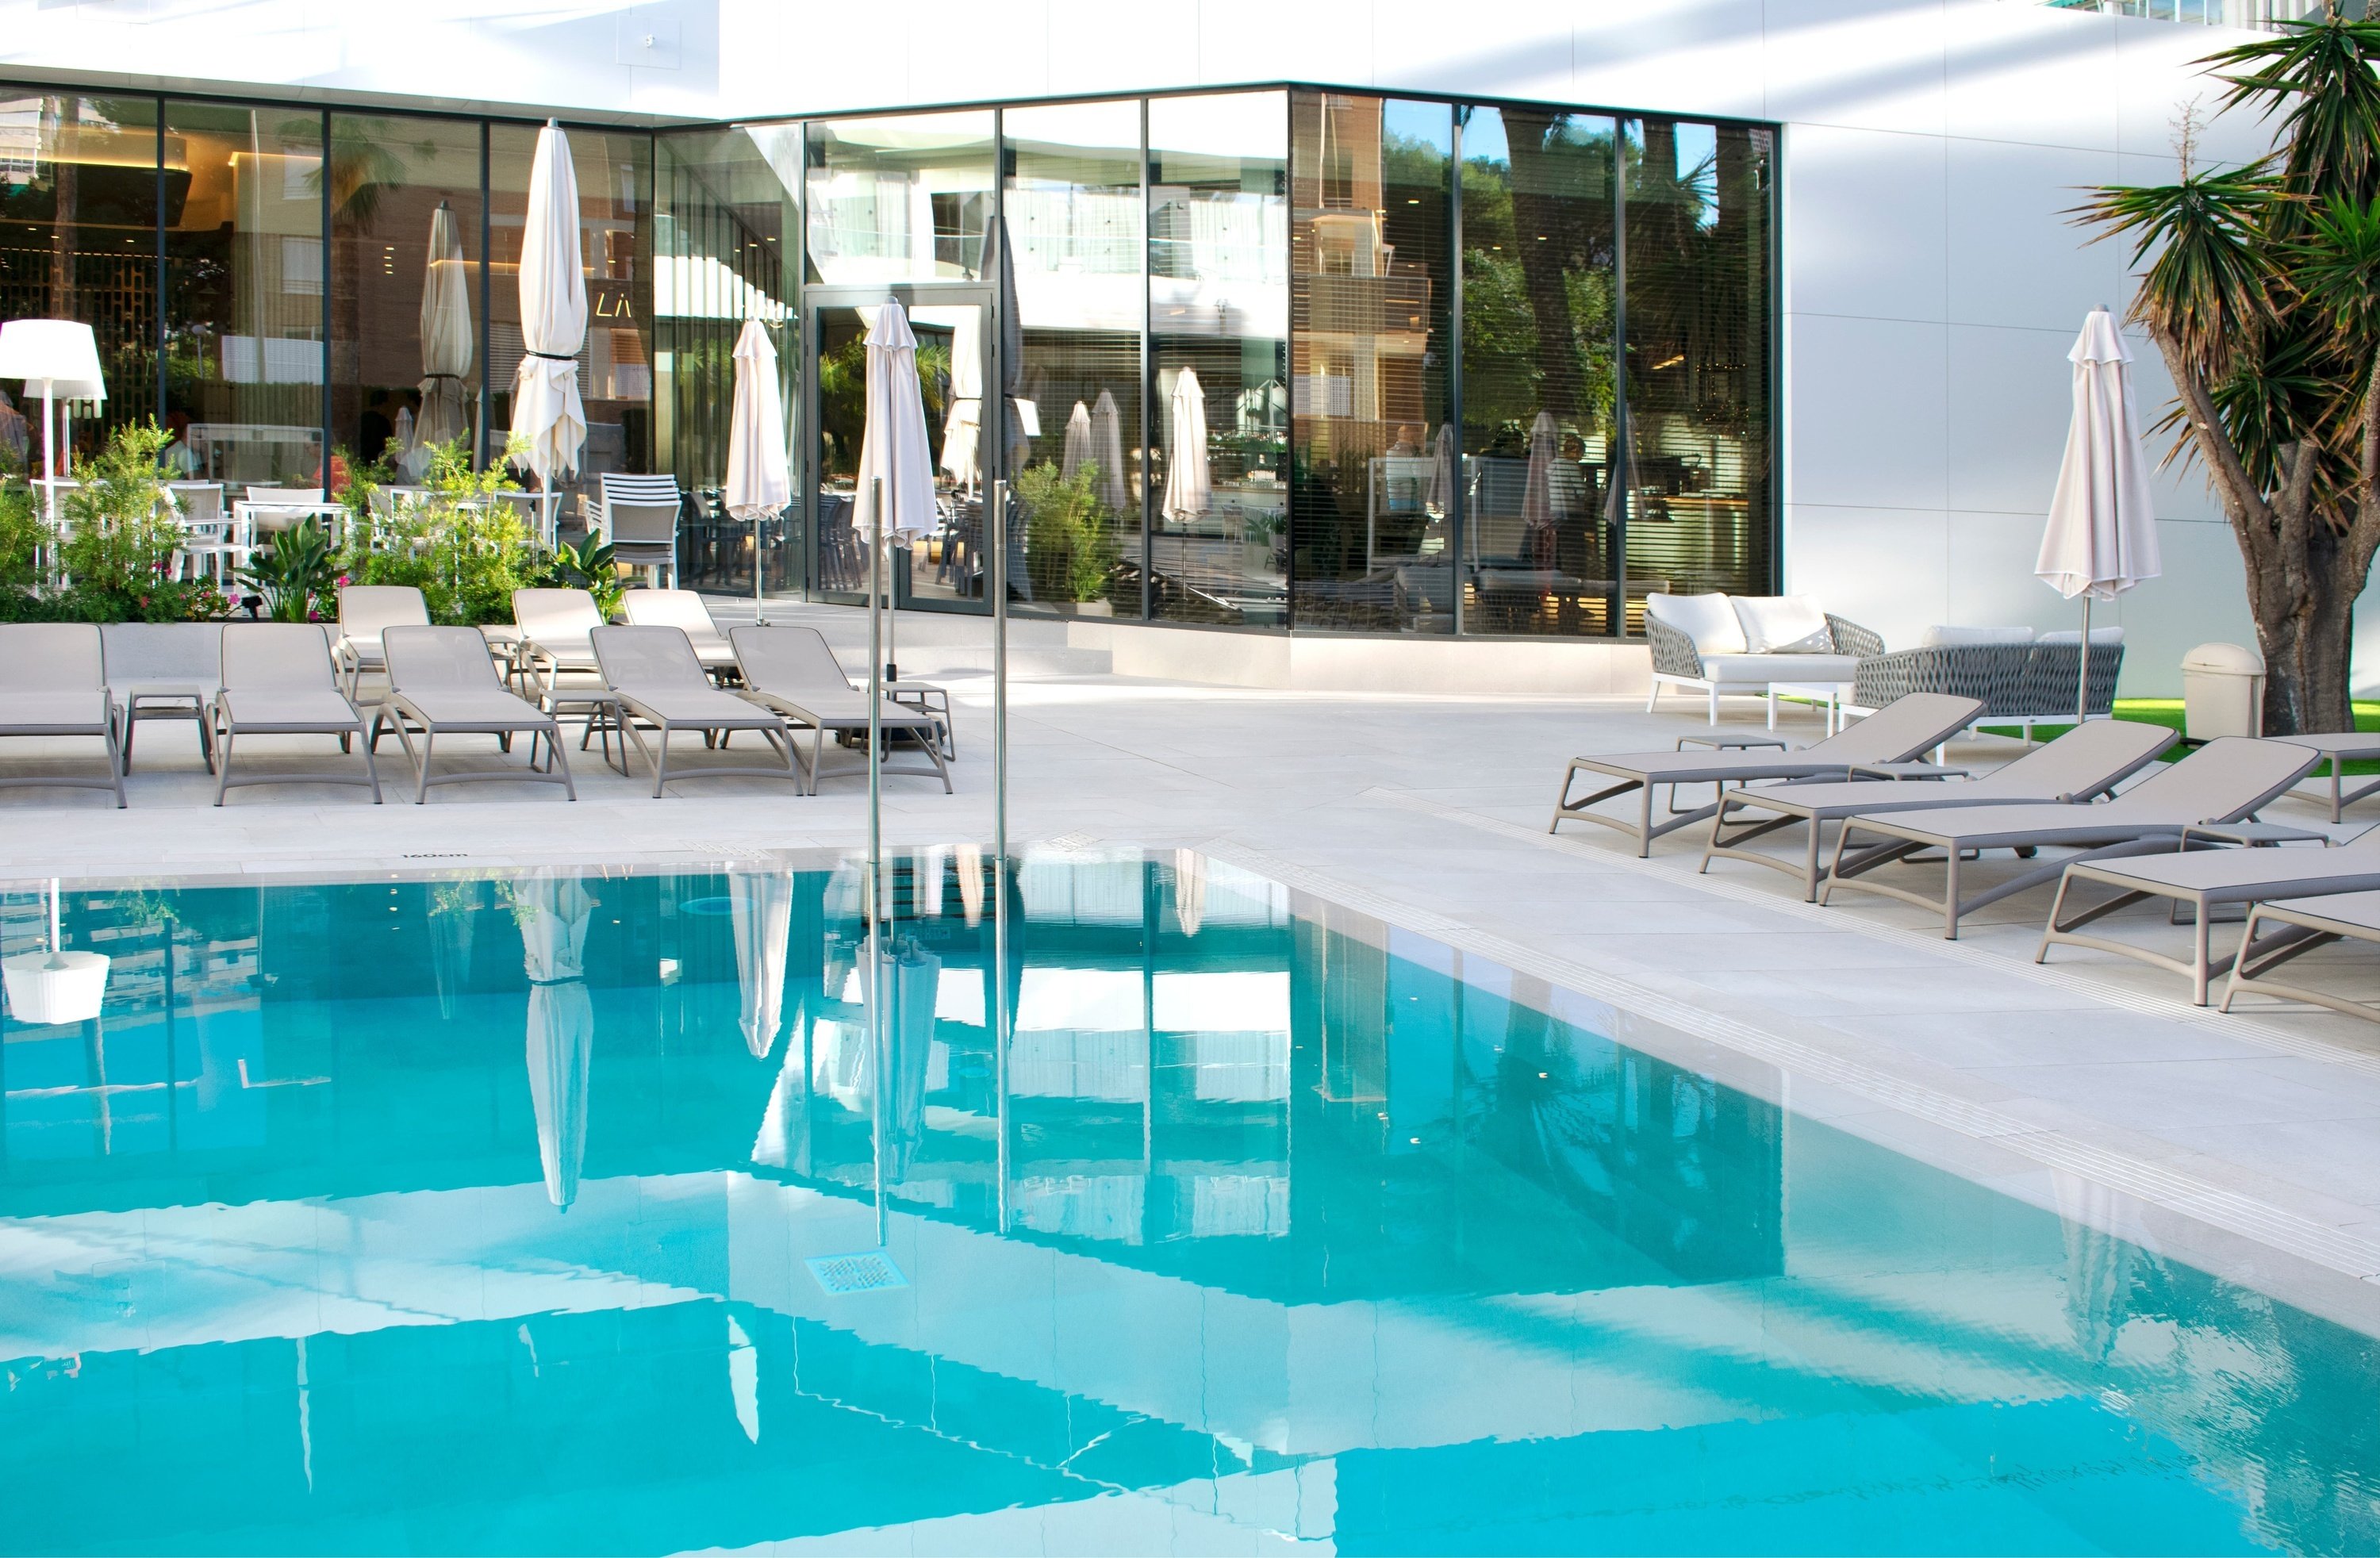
[(2083, 764), (164, 670), (1895, 734), (2338, 748), (2222, 782), (793, 672), (53, 682), (2205, 879), (660, 682), (278, 679), (441, 682), (2304, 924), (367, 612)]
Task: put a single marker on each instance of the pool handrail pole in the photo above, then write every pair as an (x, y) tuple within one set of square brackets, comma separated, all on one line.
[(873, 896), (996, 530)]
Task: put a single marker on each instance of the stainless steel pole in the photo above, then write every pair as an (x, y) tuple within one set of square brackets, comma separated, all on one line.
[(996, 529), (2082, 679), (873, 895)]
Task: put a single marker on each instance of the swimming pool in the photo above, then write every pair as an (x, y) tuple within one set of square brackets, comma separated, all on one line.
[(584, 1212)]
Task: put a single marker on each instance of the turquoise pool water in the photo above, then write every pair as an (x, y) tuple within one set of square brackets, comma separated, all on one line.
[(516, 1215)]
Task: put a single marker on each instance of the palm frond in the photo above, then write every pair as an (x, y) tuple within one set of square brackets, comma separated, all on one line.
[(2209, 284), (2318, 77)]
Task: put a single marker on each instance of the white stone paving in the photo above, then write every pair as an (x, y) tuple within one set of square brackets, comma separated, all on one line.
[(2254, 1138)]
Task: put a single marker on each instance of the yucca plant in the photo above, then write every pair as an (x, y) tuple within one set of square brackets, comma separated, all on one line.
[(292, 571), (589, 566), (2263, 296)]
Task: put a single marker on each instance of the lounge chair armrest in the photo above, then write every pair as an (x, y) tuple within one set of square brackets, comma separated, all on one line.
[(1851, 638), (1907, 770), (2252, 834), (1673, 652), (1727, 741)]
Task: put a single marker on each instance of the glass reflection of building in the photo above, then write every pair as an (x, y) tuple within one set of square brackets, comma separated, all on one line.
[(1268, 359)]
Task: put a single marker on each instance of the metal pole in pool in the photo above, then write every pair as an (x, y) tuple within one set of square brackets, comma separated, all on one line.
[(873, 896), (996, 528)]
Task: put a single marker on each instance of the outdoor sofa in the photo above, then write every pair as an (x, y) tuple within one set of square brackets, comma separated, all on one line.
[(1723, 645), (2020, 680)]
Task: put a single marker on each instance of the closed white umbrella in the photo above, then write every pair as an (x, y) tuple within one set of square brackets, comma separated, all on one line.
[(446, 334), (1187, 489), (1077, 449), (546, 409), (1439, 501), (760, 476), (553, 908), (1536, 494), (1107, 451), (962, 418), (410, 458), (2102, 535), (893, 454), (761, 908)]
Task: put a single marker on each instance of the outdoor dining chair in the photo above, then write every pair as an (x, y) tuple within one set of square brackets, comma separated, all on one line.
[(639, 518), (441, 682), (279, 679), (53, 682)]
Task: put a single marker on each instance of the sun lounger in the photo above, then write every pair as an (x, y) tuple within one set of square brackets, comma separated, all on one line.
[(554, 643), (164, 670), (441, 682), (682, 609), (658, 680), (792, 671), (2083, 763), (279, 679), (1893, 735), (2338, 748), (366, 611), (2224, 781), (53, 682), (2204, 880), (2303, 925)]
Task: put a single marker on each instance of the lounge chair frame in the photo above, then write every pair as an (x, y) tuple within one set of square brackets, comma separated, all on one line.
[(224, 720), (636, 707), (109, 728), (804, 711), (2303, 929), (402, 709)]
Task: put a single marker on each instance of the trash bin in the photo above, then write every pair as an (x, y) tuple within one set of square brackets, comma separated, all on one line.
[(2222, 692)]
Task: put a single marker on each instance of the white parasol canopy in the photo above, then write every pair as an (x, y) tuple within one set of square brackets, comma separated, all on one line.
[(546, 409), (553, 908), (892, 447), (760, 907), (760, 480), (1107, 451), (1188, 489), (1439, 500), (1538, 493), (446, 334), (2101, 539), (1077, 452)]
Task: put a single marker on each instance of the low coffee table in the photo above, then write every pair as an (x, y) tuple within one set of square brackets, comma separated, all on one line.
[(1829, 696)]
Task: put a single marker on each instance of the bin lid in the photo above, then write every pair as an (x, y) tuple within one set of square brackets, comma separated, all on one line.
[(2235, 659)]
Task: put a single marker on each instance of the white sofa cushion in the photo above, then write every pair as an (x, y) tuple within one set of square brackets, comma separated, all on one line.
[(1782, 625), (2074, 636), (1938, 637), (1709, 620), (1759, 670)]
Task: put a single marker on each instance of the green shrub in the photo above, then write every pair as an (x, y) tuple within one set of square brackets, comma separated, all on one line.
[(462, 548), (1070, 549), (295, 572), (20, 536), (587, 566)]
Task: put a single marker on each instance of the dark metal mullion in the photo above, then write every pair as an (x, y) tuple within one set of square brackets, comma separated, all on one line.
[(157, 309), (1289, 369), (1148, 368), (1622, 461), (1456, 519), (326, 306), (804, 346), (485, 329)]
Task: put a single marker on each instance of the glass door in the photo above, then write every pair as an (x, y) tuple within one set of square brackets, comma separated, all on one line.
[(942, 568)]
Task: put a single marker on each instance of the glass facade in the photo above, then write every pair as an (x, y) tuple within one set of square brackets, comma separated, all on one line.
[(1262, 358)]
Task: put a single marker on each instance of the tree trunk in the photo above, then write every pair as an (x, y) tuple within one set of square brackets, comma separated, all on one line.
[(2307, 642)]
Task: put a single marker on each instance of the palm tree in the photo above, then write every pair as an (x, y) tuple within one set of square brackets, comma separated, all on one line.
[(2263, 298)]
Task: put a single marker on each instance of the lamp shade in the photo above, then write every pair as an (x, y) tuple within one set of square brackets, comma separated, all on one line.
[(48, 351), (78, 389), (55, 987)]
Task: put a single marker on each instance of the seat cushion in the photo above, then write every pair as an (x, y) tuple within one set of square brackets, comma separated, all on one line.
[(1709, 620), (2074, 636), (1942, 636), (1781, 624), (1728, 669)]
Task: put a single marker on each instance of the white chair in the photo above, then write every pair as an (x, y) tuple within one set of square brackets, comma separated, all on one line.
[(683, 610), (279, 679), (53, 682), (639, 518), (366, 611)]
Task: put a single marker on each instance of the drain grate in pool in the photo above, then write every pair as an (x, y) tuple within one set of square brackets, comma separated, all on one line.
[(871, 1271)]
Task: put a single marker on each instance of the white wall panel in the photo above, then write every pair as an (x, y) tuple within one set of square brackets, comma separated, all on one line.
[(1866, 231), (2026, 73), (1887, 568), (1869, 424), (1865, 63), (2010, 396), (2015, 257)]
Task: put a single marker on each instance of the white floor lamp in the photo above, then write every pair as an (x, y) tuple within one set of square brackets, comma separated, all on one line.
[(59, 357)]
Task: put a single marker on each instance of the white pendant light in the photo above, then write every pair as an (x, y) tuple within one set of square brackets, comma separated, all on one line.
[(56, 986)]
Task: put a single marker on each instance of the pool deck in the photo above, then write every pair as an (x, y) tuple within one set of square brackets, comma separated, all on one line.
[(2250, 1142)]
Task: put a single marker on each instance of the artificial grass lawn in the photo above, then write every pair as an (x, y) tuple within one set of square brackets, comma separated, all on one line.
[(2166, 711)]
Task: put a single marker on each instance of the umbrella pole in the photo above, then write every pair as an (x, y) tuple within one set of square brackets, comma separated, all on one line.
[(2082, 680), (996, 528)]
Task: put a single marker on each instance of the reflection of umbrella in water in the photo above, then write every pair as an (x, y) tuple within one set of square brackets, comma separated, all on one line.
[(552, 907), (761, 908), (446, 334), (454, 911), (2098, 1263), (1107, 451), (1189, 890), (916, 979)]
